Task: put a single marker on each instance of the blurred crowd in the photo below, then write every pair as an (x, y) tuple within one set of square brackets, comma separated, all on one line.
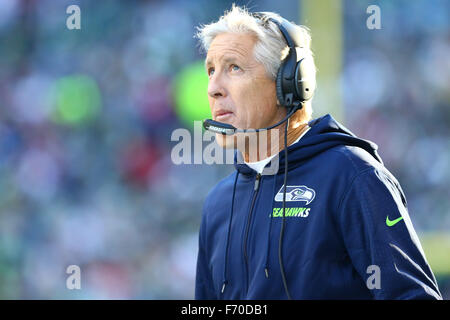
[(86, 116)]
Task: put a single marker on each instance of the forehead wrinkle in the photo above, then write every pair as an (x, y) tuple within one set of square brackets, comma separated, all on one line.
[(238, 51)]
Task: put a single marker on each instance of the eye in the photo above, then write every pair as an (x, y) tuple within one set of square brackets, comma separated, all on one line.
[(235, 67), (210, 71)]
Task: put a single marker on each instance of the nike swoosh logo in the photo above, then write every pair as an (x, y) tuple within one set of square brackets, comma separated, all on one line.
[(390, 223)]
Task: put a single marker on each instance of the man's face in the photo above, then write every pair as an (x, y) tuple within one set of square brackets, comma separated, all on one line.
[(240, 92)]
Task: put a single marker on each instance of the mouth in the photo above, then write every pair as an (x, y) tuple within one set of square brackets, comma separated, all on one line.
[(223, 115)]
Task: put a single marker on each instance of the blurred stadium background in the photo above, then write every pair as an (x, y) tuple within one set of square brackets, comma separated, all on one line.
[(86, 117)]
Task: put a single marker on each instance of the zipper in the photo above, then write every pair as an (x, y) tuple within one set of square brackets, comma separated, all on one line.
[(247, 228)]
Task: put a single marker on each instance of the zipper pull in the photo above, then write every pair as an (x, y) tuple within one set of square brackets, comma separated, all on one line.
[(223, 286), (258, 177)]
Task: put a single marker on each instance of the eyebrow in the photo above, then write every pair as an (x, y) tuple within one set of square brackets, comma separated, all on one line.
[(224, 59)]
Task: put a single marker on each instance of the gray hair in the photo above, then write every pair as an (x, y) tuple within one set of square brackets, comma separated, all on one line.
[(270, 49)]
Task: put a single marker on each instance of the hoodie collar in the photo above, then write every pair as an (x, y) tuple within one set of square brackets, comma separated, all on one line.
[(324, 133)]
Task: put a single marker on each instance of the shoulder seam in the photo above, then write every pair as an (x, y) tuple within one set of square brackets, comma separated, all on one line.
[(346, 156)]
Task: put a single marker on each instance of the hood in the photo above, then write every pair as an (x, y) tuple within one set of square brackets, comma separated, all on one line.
[(324, 133)]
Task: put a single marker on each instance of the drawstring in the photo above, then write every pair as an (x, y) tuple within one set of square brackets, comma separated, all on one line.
[(266, 267), (225, 281), (280, 243)]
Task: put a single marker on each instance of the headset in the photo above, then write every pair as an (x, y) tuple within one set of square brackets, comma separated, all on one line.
[(295, 84)]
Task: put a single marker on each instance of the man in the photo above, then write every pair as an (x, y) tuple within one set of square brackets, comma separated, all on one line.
[(331, 222)]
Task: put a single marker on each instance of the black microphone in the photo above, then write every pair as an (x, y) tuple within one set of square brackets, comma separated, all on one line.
[(219, 127), (228, 129)]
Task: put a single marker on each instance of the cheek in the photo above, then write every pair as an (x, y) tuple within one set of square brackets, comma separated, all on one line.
[(262, 101), (267, 92), (247, 98), (255, 101)]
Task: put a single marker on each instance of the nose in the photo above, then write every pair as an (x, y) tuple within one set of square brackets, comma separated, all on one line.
[(216, 88)]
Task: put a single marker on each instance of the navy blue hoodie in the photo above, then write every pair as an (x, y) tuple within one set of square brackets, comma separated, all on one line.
[(348, 234)]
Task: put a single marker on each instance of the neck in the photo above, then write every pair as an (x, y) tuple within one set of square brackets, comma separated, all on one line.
[(271, 142)]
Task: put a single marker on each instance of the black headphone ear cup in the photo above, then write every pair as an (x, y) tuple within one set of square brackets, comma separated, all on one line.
[(279, 86), (303, 84)]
